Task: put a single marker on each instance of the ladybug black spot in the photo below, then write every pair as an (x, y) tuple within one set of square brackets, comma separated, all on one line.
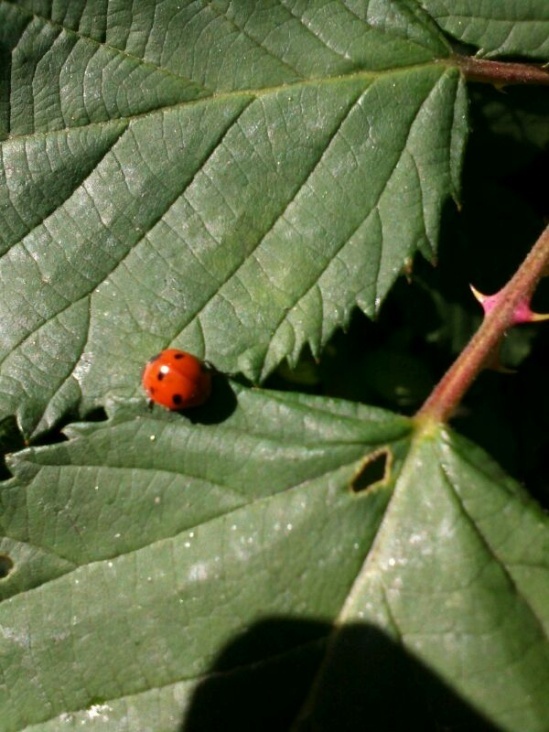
[(160, 375), (179, 355), (177, 399)]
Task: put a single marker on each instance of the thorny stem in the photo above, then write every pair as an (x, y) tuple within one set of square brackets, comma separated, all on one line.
[(500, 73), (482, 347)]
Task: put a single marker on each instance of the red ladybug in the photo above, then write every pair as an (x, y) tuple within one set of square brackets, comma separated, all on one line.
[(177, 379)]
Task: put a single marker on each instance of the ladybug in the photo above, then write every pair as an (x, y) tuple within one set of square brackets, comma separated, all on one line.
[(177, 379)]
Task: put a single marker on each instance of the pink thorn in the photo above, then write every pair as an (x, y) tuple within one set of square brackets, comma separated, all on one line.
[(523, 313)]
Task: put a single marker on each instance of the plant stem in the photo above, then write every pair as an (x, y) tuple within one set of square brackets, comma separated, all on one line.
[(482, 348), (500, 73)]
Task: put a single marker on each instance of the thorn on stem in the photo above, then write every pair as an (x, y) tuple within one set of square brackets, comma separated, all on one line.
[(522, 313)]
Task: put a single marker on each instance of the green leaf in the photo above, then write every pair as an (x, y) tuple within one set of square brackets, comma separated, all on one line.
[(72, 64), (458, 576), (497, 27), (235, 178), (144, 545), (232, 178)]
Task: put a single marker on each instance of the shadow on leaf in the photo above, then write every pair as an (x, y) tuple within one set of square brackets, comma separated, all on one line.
[(263, 681), (219, 407)]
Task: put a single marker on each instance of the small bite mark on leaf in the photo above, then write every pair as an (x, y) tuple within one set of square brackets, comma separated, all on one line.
[(374, 471), (6, 565)]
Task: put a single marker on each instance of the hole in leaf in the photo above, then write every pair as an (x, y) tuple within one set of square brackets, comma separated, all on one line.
[(11, 440), (6, 565), (375, 470)]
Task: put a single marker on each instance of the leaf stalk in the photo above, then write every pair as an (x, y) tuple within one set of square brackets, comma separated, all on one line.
[(500, 73)]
